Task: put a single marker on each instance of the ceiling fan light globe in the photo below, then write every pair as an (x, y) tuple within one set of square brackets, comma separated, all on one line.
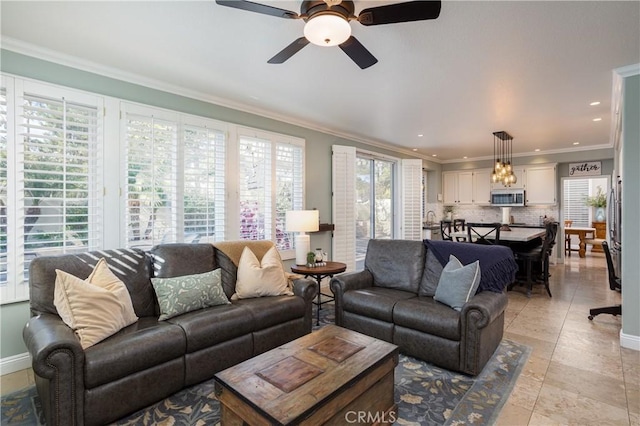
[(327, 30)]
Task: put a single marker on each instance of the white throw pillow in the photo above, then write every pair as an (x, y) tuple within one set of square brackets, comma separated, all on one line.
[(95, 308), (458, 283), (256, 279)]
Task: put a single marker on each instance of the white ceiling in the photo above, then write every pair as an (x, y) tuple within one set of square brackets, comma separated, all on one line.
[(530, 68)]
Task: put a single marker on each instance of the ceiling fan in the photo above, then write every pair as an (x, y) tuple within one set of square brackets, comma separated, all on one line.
[(327, 23)]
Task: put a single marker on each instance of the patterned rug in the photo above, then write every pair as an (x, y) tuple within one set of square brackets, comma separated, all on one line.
[(425, 394)]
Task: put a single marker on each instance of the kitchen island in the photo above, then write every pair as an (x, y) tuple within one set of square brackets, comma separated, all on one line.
[(521, 235)]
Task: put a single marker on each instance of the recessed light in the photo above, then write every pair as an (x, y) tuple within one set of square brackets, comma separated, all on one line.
[(414, 149), (595, 103), (576, 143), (597, 119), (434, 155), (465, 157), (537, 150), (420, 135)]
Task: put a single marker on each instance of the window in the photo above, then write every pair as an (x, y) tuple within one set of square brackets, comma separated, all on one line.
[(164, 177), (271, 181), (575, 193), (57, 207), (175, 190)]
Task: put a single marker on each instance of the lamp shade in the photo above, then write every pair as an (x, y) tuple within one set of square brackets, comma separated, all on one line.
[(302, 220)]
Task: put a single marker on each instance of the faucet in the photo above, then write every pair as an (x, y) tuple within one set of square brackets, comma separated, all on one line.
[(431, 214)]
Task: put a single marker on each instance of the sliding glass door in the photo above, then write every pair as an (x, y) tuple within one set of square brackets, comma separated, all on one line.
[(374, 202)]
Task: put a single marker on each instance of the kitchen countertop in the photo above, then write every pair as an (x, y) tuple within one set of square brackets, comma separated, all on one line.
[(431, 226)]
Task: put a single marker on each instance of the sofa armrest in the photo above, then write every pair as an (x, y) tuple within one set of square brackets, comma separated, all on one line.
[(307, 289), (484, 308), (482, 328), (58, 359), (345, 282)]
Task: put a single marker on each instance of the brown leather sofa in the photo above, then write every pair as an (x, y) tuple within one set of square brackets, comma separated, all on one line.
[(150, 359), (384, 301)]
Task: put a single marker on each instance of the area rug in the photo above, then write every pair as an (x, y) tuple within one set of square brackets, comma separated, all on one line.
[(425, 394)]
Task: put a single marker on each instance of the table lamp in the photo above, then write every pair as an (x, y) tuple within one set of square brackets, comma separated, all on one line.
[(302, 221)]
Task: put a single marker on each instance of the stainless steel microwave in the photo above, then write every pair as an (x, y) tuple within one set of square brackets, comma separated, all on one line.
[(507, 197)]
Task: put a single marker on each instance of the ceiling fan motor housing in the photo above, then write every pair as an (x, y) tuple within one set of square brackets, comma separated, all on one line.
[(312, 8)]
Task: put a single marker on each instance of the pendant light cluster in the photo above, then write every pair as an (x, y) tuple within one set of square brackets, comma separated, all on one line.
[(502, 154)]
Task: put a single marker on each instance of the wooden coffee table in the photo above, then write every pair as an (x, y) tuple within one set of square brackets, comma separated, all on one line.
[(327, 376)]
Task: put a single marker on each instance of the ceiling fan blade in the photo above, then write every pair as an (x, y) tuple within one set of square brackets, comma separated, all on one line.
[(259, 8), (289, 51), (400, 12), (358, 53)]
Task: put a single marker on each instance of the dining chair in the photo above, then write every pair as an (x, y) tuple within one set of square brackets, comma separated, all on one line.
[(459, 226), (538, 256), (615, 284), (567, 238), (483, 233), (445, 230)]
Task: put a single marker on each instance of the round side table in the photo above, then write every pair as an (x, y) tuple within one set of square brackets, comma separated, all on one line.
[(320, 272)]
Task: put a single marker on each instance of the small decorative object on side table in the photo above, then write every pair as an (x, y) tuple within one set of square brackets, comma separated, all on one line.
[(319, 273)]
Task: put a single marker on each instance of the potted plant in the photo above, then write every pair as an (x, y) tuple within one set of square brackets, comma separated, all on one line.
[(448, 212), (599, 201)]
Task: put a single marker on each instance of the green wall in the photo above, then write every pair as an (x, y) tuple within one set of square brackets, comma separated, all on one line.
[(631, 207), (318, 151)]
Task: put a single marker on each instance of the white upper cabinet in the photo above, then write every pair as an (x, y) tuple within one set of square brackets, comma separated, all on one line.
[(474, 186), (482, 187), (457, 187), (540, 185)]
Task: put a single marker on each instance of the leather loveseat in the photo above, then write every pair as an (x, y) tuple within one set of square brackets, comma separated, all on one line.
[(387, 300), (151, 359)]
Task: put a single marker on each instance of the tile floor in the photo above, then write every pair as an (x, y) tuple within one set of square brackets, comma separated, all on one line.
[(577, 373)]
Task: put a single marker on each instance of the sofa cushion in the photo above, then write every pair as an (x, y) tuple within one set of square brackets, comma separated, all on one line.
[(396, 264), (131, 266), (179, 295), (428, 316), (431, 276), (175, 260), (264, 277), (269, 311), (210, 326), (94, 308), (142, 345), (458, 283), (228, 256), (374, 302)]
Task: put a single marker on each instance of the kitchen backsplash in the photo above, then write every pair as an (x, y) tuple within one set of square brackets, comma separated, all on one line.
[(528, 215)]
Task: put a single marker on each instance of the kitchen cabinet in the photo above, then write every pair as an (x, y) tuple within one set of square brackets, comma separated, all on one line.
[(457, 187), (482, 187), (540, 185)]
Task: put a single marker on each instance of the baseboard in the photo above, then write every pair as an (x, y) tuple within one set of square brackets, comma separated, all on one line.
[(15, 363), (629, 341)]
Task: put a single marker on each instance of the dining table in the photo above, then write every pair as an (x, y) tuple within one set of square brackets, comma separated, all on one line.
[(581, 232), (520, 235)]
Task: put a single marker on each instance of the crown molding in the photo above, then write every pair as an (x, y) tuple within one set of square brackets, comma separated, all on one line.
[(59, 58), (533, 154)]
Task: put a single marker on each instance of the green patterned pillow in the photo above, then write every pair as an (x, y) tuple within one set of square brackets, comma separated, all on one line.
[(188, 293)]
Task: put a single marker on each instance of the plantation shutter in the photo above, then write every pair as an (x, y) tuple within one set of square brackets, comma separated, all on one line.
[(151, 186), (203, 184), (59, 193), (289, 182), (343, 187), (3, 190), (575, 195), (255, 188), (411, 199)]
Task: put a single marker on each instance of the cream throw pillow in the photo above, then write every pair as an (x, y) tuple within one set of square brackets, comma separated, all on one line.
[(95, 308), (256, 279)]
